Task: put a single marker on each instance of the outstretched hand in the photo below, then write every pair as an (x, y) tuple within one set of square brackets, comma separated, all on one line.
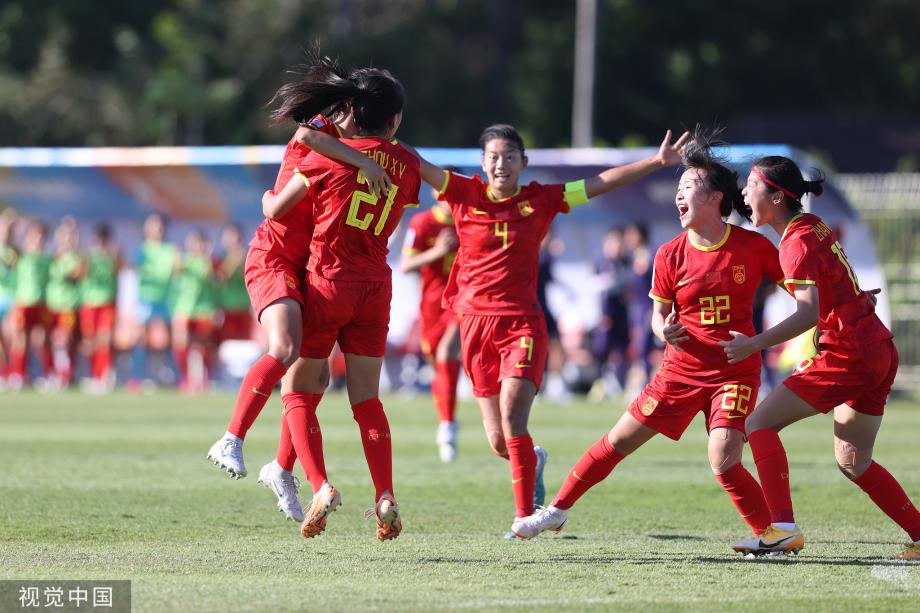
[(871, 295), (739, 347), (670, 154)]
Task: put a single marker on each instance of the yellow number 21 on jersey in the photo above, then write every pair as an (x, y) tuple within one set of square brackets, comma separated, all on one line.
[(364, 222)]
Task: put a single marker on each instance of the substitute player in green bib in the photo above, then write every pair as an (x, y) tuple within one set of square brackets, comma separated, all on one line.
[(155, 264), (8, 257), (232, 295), (64, 275), (194, 310), (97, 313), (29, 310)]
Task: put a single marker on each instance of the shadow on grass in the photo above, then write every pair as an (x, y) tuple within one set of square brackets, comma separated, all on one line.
[(675, 537)]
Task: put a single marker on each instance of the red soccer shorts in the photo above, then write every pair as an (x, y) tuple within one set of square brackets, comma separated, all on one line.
[(237, 325), (435, 322), (668, 406), (269, 277), (201, 328), (64, 322), (497, 347), (27, 317), (862, 379), (95, 319), (354, 313)]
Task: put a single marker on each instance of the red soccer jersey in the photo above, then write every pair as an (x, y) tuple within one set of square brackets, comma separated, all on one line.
[(424, 229), (351, 224), (495, 272), (713, 291), (811, 255), (291, 234)]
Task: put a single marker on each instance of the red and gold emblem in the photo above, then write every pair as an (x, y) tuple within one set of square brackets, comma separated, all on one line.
[(290, 281), (525, 208), (738, 273), (648, 407)]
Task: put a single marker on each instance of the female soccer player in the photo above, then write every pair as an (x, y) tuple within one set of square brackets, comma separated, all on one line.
[(851, 374), (8, 257), (233, 299), (29, 320), (349, 283), (492, 286), (430, 248), (274, 273), (97, 313), (193, 312), (704, 285), (64, 274)]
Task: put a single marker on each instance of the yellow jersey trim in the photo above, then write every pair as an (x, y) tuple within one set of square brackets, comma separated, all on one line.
[(413, 205), (441, 217), (576, 193), (789, 223), (306, 181), (660, 299), (494, 199), (788, 282), (444, 184), (728, 230), (410, 251)]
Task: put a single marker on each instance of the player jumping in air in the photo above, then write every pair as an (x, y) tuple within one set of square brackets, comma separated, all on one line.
[(349, 284), (492, 287), (851, 374), (704, 285), (274, 274)]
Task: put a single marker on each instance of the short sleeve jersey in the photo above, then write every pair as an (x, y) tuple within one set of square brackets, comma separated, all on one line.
[(100, 286), (155, 270), (712, 289), (495, 272), (811, 255), (290, 236), (63, 286), (32, 278), (352, 226), (421, 236)]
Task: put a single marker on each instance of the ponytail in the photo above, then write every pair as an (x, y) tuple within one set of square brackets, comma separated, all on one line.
[(324, 87)]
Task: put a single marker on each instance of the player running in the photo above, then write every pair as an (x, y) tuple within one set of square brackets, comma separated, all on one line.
[(851, 374), (704, 285), (492, 286), (430, 249), (349, 284), (274, 273)]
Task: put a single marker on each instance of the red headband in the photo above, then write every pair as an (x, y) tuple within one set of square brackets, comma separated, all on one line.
[(779, 187)]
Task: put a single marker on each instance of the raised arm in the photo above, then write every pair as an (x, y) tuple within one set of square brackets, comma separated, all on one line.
[(275, 206), (431, 174), (804, 318), (377, 178), (612, 178)]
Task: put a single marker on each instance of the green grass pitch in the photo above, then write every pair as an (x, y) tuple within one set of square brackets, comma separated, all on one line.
[(118, 487)]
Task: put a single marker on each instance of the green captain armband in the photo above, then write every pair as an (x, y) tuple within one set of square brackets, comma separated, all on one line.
[(575, 193)]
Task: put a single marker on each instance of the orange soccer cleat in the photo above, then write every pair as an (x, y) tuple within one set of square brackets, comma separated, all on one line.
[(325, 501)]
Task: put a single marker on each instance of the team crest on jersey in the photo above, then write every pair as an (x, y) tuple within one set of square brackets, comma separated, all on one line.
[(648, 407), (290, 281), (738, 273), (525, 208)]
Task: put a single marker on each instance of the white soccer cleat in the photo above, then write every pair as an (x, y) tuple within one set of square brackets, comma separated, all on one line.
[(539, 488), (447, 441), (773, 540), (325, 502), (285, 486), (549, 518), (227, 454)]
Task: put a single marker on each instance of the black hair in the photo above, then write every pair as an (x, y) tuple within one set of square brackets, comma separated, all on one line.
[(718, 177), (379, 97), (103, 232), (453, 169), (502, 131), (295, 101), (783, 172)]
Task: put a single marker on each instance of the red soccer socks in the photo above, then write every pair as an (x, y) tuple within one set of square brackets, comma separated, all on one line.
[(592, 467), (747, 497), (255, 390), (773, 470), (375, 437)]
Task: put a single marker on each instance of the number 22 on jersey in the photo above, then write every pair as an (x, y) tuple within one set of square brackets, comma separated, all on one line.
[(364, 222)]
